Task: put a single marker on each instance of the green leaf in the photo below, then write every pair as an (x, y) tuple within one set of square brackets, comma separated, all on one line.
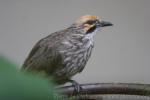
[(17, 85)]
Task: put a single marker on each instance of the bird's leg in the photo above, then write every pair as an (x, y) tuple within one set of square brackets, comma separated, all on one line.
[(77, 86)]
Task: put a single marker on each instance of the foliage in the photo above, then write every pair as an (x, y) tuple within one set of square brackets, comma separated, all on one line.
[(17, 85)]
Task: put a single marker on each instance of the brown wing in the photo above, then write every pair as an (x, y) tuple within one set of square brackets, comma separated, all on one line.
[(31, 54), (43, 57)]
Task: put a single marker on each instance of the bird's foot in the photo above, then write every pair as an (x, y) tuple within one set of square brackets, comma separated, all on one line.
[(77, 86)]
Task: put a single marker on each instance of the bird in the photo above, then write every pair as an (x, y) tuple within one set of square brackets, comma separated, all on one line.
[(65, 53)]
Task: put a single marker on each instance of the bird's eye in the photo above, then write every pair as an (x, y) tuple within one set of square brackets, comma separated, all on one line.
[(90, 22)]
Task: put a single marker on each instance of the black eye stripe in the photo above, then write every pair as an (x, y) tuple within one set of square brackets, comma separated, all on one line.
[(91, 22), (92, 29)]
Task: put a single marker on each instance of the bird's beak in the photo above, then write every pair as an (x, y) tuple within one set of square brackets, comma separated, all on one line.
[(103, 24)]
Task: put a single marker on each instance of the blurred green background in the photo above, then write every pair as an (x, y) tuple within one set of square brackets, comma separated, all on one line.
[(18, 85)]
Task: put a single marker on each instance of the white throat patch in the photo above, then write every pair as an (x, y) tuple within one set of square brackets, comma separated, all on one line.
[(90, 37)]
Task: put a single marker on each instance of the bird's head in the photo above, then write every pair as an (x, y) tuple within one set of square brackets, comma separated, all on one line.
[(89, 24)]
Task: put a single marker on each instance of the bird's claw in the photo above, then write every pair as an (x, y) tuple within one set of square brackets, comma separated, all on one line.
[(77, 87)]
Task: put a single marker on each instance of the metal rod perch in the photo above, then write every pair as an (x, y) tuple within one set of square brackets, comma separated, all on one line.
[(108, 88)]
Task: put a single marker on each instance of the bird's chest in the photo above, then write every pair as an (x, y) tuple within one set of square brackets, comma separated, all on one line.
[(76, 56)]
